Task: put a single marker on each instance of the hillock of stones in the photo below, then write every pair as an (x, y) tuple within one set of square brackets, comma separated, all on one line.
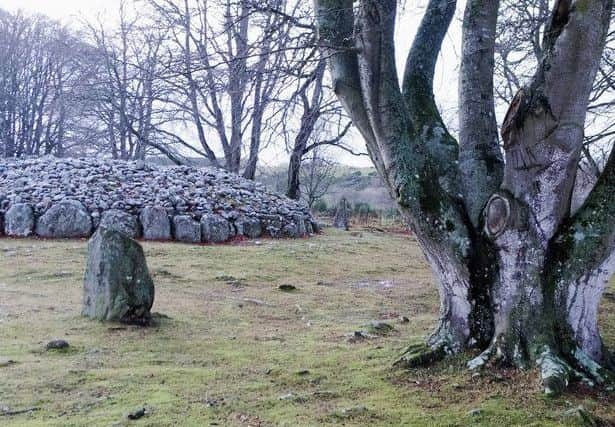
[(70, 198)]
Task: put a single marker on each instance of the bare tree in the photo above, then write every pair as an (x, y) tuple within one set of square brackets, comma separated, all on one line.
[(317, 176), (124, 91), (224, 56), (35, 74), (320, 116), (519, 276)]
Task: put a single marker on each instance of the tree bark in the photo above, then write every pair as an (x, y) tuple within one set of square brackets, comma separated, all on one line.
[(492, 230)]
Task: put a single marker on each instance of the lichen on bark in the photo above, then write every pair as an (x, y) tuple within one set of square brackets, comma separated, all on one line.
[(498, 235)]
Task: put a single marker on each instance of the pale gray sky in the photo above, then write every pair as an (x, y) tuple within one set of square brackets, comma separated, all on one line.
[(445, 85)]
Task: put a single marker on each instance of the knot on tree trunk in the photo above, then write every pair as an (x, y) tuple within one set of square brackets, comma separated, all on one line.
[(497, 215), (504, 212)]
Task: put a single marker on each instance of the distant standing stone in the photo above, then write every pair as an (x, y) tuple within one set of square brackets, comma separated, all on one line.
[(215, 229), (300, 221), (67, 219), (19, 220), (156, 224), (121, 221), (341, 215), (117, 285), (186, 229)]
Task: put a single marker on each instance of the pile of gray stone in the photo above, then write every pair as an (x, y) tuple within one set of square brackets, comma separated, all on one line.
[(70, 198)]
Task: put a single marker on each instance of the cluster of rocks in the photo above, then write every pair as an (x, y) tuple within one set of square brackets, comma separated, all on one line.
[(63, 198)]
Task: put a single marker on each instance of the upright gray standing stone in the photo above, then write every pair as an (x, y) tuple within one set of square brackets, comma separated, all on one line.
[(341, 215), (121, 221), (273, 225), (19, 220), (117, 285), (156, 223), (65, 219), (300, 221), (215, 229), (186, 229), (248, 227)]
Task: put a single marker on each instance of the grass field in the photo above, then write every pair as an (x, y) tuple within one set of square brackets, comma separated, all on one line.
[(231, 349)]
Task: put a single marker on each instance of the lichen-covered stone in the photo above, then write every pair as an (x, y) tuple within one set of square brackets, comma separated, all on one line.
[(156, 223), (66, 219), (300, 223), (249, 227), (186, 229), (123, 222), (215, 229), (291, 230), (273, 225), (117, 284), (19, 220)]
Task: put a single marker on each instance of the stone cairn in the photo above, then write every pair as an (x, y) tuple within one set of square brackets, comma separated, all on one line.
[(69, 198)]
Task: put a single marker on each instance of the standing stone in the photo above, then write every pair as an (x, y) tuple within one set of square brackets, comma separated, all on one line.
[(156, 224), (308, 227), (273, 225), (341, 215), (117, 285), (249, 227), (186, 229), (19, 220), (121, 221), (65, 219), (291, 230), (300, 222), (215, 229)]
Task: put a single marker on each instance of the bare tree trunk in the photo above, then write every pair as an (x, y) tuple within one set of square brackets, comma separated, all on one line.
[(293, 189)]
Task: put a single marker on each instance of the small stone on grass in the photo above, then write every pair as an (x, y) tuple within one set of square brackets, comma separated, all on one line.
[(351, 412), (57, 345), (379, 328), (474, 412), (135, 415), (6, 362)]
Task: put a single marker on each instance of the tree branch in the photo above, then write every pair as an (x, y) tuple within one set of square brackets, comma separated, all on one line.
[(335, 20), (480, 159), (421, 61)]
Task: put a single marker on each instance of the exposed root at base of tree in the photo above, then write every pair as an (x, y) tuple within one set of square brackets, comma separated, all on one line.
[(556, 371), (416, 355)]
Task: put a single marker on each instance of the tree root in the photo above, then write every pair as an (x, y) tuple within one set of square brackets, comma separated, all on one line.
[(592, 372), (416, 355), (556, 371)]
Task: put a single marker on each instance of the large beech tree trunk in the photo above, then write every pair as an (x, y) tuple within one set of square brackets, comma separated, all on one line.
[(519, 277)]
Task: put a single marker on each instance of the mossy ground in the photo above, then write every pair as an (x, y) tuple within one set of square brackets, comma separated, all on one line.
[(235, 350)]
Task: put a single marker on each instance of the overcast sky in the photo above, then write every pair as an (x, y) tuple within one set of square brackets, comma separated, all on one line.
[(445, 85)]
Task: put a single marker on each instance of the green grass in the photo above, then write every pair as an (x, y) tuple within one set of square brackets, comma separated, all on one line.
[(234, 348)]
